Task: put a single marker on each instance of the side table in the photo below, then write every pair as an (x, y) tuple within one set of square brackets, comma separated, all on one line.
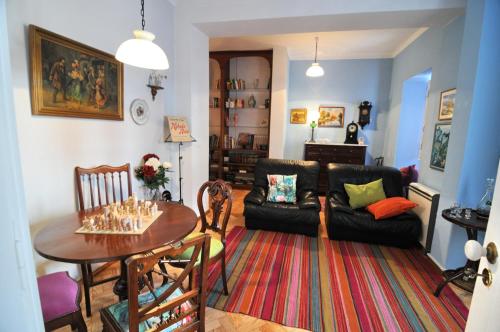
[(458, 276)]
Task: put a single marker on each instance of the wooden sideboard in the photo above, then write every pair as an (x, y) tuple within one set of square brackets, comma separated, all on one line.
[(333, 153)]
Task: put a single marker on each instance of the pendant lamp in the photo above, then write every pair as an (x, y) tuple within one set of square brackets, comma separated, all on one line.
[(141, 51), (315, 70)]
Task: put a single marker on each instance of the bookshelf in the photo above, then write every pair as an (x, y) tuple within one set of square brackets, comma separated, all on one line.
[(240, 113)]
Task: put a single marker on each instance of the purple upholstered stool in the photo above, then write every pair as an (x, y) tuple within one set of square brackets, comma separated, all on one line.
[(60, 298)]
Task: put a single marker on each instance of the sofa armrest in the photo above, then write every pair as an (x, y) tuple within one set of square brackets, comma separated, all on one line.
[(308, 200), (337, 205), (257, 196)]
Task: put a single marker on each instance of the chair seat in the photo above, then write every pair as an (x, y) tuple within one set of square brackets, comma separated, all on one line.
[(119, 311), (58, 295), (216, 247)]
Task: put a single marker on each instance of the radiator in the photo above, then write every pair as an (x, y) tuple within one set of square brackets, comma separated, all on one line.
[(427, 200)]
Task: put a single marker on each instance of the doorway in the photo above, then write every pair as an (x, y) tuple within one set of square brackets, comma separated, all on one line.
[(411, 121)]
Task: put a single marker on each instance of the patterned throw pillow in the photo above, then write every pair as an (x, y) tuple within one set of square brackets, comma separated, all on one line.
[(282, 188)]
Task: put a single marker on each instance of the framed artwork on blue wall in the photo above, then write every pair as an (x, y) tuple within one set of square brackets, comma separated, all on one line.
[(447, 105), (440, 146)]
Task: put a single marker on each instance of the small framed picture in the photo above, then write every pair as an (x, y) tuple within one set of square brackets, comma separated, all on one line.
[(440, 146), (298, 115), (331, 116), (447, 105)]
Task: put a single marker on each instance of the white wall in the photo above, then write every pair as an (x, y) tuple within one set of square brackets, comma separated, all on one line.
[(18, 287), (279, 100), (51, 147)]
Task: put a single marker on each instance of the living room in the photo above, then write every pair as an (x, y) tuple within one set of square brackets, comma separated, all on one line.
[(369, 52)]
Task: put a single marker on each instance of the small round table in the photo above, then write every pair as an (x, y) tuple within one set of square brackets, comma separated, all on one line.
[(472, 226), (59, 242)]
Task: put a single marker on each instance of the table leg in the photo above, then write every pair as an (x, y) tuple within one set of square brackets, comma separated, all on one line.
[(456, 274), (121, 288)]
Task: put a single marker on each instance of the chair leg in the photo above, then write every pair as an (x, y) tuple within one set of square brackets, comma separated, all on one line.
[(86, 288), (164, 270), (223, 272), (79, 322), (150, 278)]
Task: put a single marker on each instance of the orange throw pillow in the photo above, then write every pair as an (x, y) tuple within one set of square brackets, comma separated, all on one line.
[(390, 207)]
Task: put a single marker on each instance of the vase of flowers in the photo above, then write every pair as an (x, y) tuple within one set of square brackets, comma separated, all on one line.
[(153, 174)]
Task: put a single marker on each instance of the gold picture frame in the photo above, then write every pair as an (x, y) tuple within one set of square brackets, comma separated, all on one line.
[(331, 116), (447, 105), (71, 79), (298, 115)]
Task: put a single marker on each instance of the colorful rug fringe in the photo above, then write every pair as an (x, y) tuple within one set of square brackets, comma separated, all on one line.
[(322, 285)]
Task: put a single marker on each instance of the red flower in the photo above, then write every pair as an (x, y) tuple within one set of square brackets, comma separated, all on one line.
[(150, 155), (148, 171)]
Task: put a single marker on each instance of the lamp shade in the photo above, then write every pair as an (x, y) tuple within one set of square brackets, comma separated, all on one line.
[(142, 52), (315, 70)]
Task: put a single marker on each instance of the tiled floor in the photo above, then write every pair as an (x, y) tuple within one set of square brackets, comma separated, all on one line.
[(216, 320)]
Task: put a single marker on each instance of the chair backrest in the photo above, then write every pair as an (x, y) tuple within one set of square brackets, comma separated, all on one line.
[(102, 180), (220, 203), (168, 305), (307, 172)]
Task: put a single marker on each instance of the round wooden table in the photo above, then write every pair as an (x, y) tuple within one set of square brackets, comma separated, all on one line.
[(459, 276), (59, 242)]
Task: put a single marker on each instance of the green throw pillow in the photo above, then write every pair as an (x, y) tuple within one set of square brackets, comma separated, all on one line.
[(364, 194)]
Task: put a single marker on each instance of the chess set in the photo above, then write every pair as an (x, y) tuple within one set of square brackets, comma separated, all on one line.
[(132, 217)]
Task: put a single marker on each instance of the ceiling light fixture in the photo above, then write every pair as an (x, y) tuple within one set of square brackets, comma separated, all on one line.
[(315, 70), (141, 51)]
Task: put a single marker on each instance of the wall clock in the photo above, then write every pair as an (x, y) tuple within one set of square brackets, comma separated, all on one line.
[(139, 110), (351, 135), (364, 113)]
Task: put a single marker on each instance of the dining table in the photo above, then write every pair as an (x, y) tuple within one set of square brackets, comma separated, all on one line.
[(58, 241)]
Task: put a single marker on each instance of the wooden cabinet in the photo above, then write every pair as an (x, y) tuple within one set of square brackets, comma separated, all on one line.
[(333, 153)]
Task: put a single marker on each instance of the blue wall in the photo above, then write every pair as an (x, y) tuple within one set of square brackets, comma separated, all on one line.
[(411, 121), (345, 83), (438, 49)]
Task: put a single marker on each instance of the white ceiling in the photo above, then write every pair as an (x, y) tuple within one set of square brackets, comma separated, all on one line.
[(357, 44)]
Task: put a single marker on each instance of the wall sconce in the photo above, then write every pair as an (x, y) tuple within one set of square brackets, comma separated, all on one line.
[(154, 82)]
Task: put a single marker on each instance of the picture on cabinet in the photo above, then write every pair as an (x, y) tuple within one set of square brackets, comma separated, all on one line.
[(298, 115), (447, 104), (72, 79), (331, 116)]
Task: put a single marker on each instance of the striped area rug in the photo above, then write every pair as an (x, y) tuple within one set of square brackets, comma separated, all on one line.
[(322, 285)]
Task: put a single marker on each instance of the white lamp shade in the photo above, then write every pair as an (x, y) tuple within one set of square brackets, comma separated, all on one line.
[(142, 52), (315, 70), (474, 250)]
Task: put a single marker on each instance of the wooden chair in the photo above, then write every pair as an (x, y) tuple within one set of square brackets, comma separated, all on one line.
[(169, 306), (220, 203), (60, 299), (102, 183)]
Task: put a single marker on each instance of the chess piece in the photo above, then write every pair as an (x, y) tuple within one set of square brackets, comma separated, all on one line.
[(139, 221)]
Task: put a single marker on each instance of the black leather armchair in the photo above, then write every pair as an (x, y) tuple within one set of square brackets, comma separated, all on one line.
[(302, 217), (344, 223)]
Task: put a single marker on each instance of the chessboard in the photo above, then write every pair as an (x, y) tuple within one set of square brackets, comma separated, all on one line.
[(147, 221)]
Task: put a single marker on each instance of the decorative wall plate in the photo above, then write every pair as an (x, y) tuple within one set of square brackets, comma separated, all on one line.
[(139, 110)]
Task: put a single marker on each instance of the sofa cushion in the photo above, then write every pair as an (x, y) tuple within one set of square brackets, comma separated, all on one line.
[(390, 207), (364, 194), (282, 188)]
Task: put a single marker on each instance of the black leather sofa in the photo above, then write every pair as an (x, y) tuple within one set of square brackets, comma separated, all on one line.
[(344, 223), (302, 217)]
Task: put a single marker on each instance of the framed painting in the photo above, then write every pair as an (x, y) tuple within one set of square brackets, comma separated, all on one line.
[(69, 78), (447, 104), (298, 115), (331, 116), (440, 146)]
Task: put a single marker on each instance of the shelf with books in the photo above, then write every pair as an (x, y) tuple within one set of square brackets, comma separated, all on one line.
[(257, 90), (248, 108)]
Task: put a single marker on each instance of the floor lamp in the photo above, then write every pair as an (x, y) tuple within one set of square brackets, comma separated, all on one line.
[(169, 140)]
